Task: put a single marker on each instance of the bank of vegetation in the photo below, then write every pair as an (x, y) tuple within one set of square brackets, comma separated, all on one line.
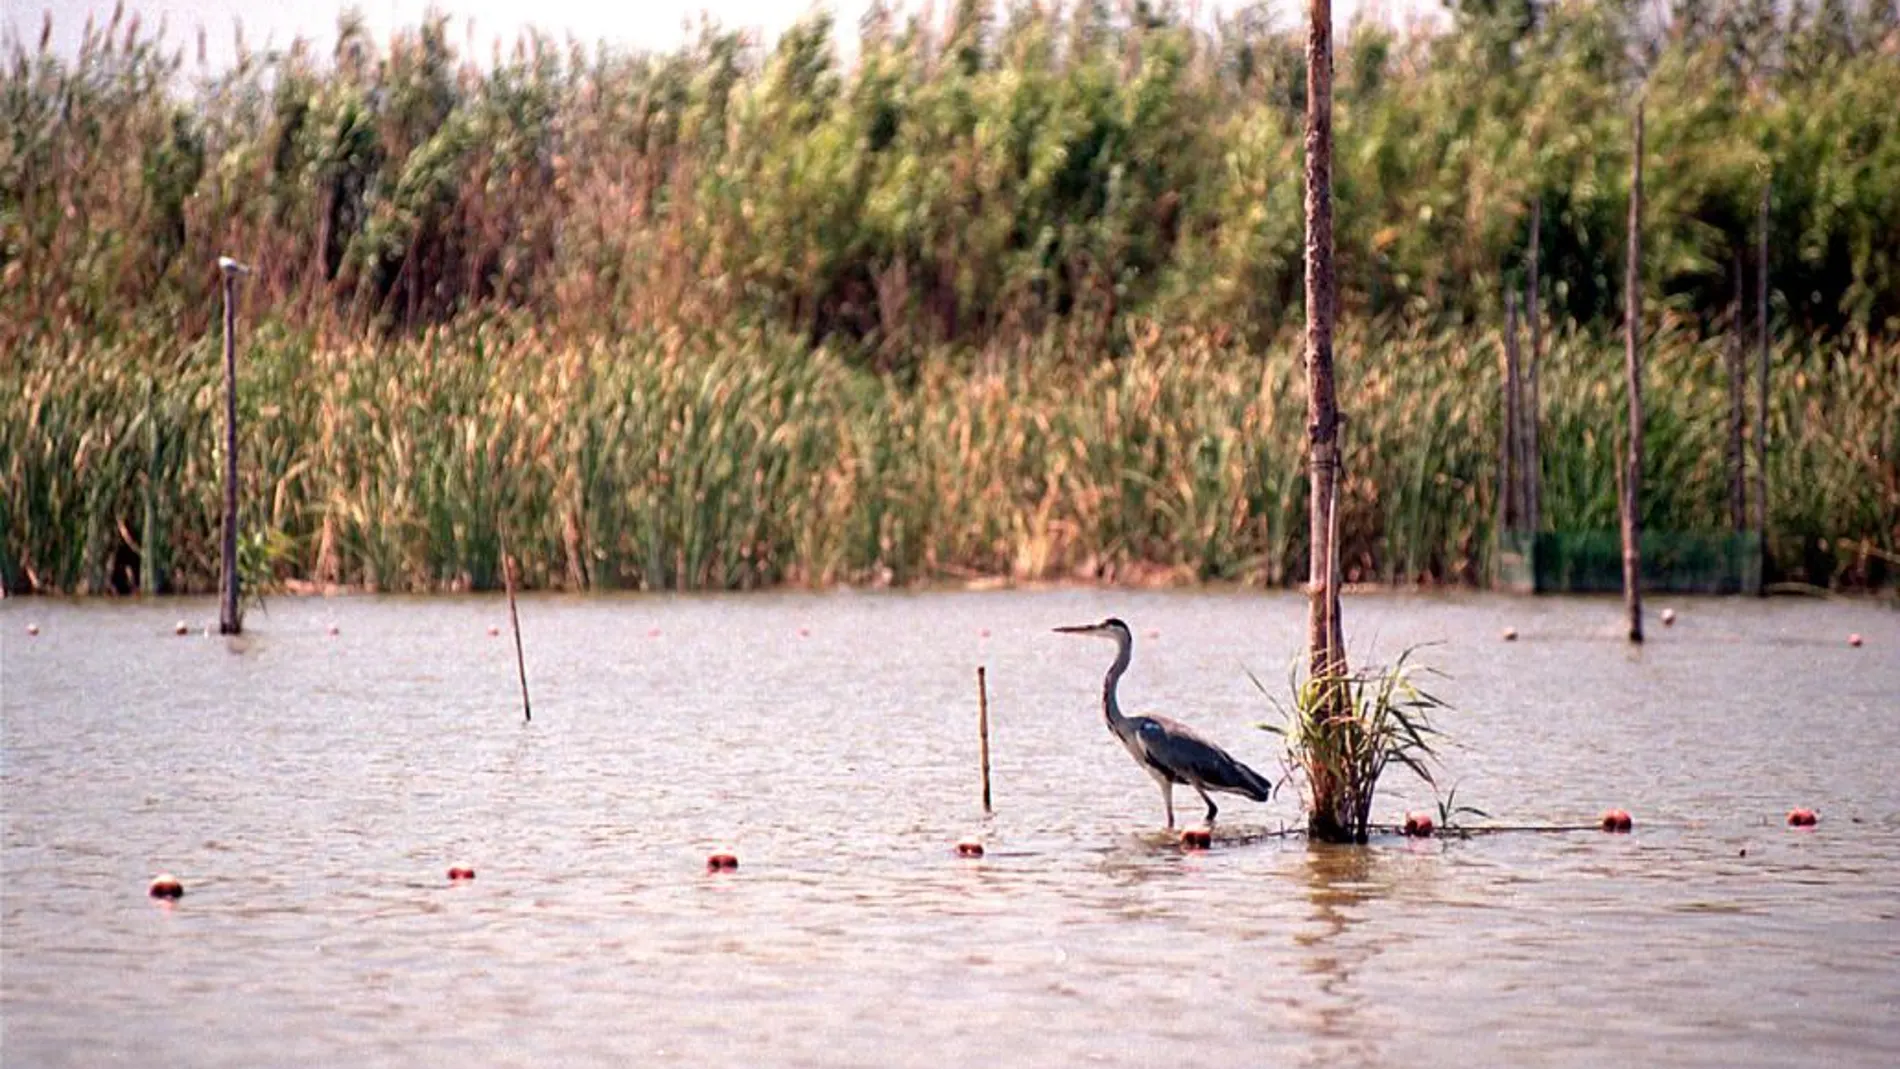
[(1011, 294)]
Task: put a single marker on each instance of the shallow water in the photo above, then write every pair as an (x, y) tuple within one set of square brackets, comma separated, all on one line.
[(311, 790)]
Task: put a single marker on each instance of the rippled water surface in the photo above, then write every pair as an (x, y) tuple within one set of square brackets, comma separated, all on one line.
[(311, 791)]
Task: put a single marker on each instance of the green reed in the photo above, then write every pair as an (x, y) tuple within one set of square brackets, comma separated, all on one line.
[(673, 458)]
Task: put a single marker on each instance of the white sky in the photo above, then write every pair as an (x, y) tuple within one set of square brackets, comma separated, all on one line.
[(649, 24)]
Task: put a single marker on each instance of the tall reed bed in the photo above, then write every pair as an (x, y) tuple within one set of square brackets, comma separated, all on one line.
[(728, 459)]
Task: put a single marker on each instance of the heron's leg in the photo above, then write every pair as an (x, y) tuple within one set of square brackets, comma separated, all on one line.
[(1167, 799), (1211, 807)]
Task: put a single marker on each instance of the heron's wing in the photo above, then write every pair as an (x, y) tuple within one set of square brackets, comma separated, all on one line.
[(1192, 756)]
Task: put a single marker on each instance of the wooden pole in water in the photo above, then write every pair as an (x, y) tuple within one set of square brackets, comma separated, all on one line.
[(1633, 367), (1737, 411), (1532, 404), (514, 622), (983, 732), (230, 620), (1761, 395)]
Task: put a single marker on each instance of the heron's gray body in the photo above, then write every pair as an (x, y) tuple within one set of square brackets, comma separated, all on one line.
[(1169, 750)]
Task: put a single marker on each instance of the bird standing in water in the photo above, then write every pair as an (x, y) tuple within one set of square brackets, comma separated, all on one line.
[(1169, 750)]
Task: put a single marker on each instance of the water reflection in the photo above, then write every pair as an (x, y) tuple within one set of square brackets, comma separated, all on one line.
[(1342, 883)]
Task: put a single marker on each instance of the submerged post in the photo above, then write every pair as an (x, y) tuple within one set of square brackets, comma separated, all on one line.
[(230, 620), (983, 732), (1633, 367)]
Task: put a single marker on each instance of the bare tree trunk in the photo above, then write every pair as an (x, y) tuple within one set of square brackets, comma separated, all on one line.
[(1532, 403), (1513, 418), (1507, 442), (1329, 820), (1737, 412), (1633, 366), (230, 622), (1761, 393)]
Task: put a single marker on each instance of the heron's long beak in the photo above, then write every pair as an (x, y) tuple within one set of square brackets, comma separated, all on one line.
[(1080, 629)]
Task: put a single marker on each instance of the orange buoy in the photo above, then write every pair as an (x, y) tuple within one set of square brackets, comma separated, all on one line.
[(1419, 825), (1669, 617), (1803, 818), (165, 885), (1854, 640), (1509, 634), (969, 848), (1616, 820), (457, 872), (722, 863), (1197, 839)]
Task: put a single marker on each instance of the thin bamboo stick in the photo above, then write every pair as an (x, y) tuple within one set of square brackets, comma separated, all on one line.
[(983, 732), (1633, 368), (514, 622)]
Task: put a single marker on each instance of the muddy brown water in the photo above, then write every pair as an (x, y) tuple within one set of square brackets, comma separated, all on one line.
[(311, 791)]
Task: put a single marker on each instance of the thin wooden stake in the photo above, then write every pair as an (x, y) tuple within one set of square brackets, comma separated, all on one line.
[(514, 621), (1761, 396), (983, 732)]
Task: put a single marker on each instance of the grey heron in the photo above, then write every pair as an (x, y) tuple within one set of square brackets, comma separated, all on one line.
[(1169, 750)]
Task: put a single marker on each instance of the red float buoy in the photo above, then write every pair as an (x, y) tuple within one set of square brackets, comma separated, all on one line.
[(1669, 617), (969, 848), (331, 630), (1509, 634), (1197, 839), (722, 863), (1854, 640), (457, 872), (493, 630), (653, 632), (165, 885), (1617, 820), (32, 629), (1419, 825), (1803, 818)]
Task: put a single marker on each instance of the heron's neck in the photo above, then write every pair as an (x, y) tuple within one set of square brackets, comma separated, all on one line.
[(1112, 709)]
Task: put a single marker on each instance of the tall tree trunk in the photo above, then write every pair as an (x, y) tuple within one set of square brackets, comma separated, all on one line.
[(1761, 392), (1533, 406), (230, 622), (1330, 819), (1633, 366), (1516, 506), (1737, 412)]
